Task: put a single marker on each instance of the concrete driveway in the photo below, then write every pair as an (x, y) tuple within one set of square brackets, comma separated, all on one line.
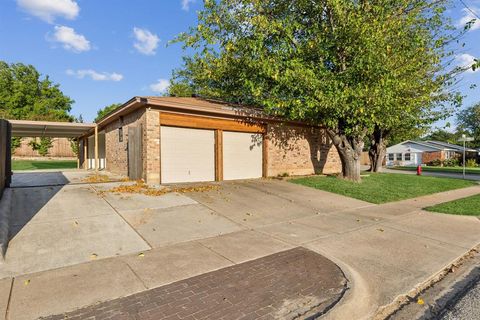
[(76, 244)]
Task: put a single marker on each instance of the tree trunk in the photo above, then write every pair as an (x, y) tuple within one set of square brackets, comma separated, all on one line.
[(377, 150), (350, 151)]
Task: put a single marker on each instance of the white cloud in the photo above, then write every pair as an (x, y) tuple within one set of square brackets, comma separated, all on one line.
[(160, 86), (94, 75), (70, 40), (47, 10), (146, 42), (465, 60), (469, 16), (186, 4)]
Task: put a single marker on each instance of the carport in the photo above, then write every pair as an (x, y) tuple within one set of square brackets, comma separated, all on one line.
[(27, 128)]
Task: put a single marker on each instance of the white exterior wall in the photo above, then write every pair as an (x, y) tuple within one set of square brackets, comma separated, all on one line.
[(414, 149)]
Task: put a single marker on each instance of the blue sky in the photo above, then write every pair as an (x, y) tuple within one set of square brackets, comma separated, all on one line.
[(107, 51)]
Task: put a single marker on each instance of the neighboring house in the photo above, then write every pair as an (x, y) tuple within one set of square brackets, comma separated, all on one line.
[(414, 153), (61, 148), (172, 139)]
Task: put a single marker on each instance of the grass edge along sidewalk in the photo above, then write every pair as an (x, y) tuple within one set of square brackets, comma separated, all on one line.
[(384, 187), (43, 164), (468, 170), (469, 206)]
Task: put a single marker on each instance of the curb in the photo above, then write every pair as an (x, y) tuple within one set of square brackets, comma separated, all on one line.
[(402, 302), (5, 212)]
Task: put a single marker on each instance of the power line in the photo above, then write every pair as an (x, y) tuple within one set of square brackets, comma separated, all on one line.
[(469, 9)]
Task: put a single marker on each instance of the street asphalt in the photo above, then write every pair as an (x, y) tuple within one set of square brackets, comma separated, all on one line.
[(467, 307)]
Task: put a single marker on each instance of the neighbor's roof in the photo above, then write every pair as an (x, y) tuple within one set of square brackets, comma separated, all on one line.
[(181, 104), (438, 145), (449, 146), (27, 128)]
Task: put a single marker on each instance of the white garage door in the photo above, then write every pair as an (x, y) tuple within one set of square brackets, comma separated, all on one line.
[(187, 155), (242, 155)]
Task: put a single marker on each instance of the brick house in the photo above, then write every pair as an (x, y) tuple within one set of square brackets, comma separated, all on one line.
[(414, 153), (172, 139)]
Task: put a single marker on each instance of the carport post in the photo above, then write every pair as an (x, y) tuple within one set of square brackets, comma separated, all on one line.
[(96, 148)]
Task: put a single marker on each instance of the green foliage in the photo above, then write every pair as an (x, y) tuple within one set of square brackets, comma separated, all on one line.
[(180, 89), (106, 110), (25, 95), (443, 135), (471, 163), (350, 66), (41, 146), (15, 143), (452, 162), (385, 187), (435, 163), (468, 120)]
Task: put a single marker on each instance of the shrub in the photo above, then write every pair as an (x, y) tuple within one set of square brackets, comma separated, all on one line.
[(471, 163), (435, 163), (451, 162)]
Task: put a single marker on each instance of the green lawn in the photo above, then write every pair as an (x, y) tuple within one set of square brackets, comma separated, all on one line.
[(43, 164), (469, 206), (384, 187), (441, 169)]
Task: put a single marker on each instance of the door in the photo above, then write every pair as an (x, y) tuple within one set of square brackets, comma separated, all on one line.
[(187, 155), (135, 161), (242, 155)]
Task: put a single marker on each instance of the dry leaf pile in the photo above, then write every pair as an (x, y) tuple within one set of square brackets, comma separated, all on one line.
[(142, 188), (96, 178)]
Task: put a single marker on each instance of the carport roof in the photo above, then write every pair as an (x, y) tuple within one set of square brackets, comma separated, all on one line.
[(27, 128)]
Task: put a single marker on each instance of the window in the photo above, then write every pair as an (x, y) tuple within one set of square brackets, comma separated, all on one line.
[(120, 130), (407, 156), (399, 157), (120, 134), (391, 157)]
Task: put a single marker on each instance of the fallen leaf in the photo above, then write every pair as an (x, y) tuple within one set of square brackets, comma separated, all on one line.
[(420, 301), (93, 256), (26, 282), (141, 254)]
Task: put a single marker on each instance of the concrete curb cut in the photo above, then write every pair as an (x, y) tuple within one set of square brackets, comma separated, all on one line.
[(5, 212)]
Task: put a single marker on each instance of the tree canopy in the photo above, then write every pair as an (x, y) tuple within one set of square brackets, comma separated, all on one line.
[(350, 66), (26, 95), (468, 122), (106, 110)]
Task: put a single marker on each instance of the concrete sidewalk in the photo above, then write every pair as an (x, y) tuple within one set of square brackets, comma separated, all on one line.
[(385, 250)]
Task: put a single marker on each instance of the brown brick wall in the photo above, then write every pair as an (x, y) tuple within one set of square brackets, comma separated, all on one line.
[(428, 156), (151, 146), (116, 152), (300, 151)]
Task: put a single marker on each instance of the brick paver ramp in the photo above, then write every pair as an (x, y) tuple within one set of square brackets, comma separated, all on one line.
[(296, 283)]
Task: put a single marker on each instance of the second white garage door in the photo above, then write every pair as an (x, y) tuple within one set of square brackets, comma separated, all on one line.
[(187, 155), (242, 155)]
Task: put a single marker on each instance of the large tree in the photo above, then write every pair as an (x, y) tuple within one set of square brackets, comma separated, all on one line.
[(468, 121), (333, 63), (106, 110), (26, 95)]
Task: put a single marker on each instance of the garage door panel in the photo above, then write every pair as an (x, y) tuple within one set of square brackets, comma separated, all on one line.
[(242, 155), (187, 155)]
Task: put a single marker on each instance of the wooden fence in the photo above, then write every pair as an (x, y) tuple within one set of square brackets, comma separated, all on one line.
[(5, 155), (61, 148)]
